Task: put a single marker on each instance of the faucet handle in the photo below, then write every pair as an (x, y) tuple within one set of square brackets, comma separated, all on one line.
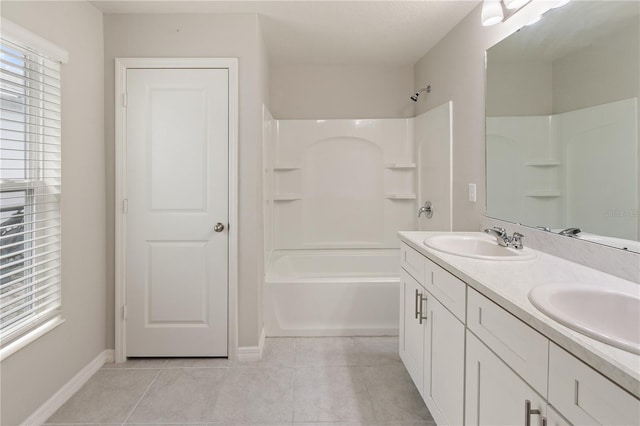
[(427, 209), (571, 232), (516, 240)]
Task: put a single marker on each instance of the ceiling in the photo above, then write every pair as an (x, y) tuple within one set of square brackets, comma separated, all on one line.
[(392, 32)]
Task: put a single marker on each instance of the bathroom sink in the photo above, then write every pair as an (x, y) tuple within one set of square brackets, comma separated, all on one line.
[(610, 316), (478, 246)]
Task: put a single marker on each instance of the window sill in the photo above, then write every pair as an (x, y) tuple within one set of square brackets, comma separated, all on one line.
[(32, 336)]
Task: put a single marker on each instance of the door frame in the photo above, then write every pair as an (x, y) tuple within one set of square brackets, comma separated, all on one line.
[(121, 67)]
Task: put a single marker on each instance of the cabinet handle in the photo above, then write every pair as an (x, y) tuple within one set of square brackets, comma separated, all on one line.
[(528, 412), (417, 298), (422, 317)]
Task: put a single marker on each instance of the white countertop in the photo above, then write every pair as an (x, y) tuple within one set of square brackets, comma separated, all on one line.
[(508, 283)]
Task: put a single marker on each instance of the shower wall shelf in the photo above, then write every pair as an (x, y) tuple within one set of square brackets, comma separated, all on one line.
[(400, 196), (285, 167), (543, 162), (287, 197), (400, 166)]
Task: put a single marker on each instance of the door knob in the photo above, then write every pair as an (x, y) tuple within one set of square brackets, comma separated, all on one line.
[(219, 227)]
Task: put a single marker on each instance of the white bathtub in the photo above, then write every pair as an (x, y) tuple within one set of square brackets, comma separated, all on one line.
[(345, 292)]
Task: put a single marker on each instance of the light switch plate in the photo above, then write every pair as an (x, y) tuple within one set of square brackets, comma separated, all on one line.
[(472, 192)]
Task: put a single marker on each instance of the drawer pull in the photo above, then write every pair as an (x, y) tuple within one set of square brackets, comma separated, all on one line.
[(528, 412), (417, 300), (422, 317)]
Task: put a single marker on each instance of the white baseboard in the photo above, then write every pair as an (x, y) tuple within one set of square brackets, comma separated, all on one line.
[(252, 353), (110, 356), (63, 394), (331, 332)]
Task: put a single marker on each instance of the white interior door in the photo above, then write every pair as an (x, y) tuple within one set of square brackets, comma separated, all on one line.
[(177, 191)]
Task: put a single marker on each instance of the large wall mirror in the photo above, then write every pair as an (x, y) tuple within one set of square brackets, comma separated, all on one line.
[(562, 123)]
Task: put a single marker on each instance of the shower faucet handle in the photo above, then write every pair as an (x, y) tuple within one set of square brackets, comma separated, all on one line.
[(426, 209)]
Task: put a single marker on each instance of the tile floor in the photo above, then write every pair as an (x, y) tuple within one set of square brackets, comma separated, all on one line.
[(349, 381)]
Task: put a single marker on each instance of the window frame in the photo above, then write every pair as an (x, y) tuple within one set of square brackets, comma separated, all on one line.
[(33, 284)]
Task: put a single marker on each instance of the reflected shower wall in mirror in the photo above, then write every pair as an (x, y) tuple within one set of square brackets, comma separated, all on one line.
[(562, 123)]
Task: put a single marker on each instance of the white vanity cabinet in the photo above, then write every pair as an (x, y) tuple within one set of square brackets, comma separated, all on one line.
[(475, 363), (411, 330), (495, 394), (554, 418), (584, 396), (521, 347), (443, 384), (506, 367), (431, 336)]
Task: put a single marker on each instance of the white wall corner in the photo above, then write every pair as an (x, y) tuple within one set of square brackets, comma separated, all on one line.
[(109, 356), (252, 353), (63, 394)]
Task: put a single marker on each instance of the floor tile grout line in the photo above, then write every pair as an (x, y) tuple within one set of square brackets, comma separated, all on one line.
[(143, 395), (295, 379), (358, 359), (293, 403), (369, 396)]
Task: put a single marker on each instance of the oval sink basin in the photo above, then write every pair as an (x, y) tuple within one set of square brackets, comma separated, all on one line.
[(478, 246), (606, 315)]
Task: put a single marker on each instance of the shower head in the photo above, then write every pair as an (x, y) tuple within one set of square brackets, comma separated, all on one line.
[(427, 89)]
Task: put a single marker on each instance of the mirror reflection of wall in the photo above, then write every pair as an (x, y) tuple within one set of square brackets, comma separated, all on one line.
[(562, 120)]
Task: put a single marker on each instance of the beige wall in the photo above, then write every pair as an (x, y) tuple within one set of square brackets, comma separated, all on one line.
[(603, 72), (600, 73), (509, 83), (341, 91), (36, 372), (202, 35), (455, 70)]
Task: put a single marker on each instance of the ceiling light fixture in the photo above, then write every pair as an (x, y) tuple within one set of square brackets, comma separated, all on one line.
[(492, 13), (496, 11), (515, 4)]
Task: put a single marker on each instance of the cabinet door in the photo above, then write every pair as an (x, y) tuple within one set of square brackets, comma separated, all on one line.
[(412, 339), (443, 364), (584, 396), (495, 395), (554, 418)]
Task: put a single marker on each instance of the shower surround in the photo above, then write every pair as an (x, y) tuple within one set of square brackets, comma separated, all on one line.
[(336, 192)]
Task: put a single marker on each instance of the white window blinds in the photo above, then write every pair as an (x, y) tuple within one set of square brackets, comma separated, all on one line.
[(30, 126)]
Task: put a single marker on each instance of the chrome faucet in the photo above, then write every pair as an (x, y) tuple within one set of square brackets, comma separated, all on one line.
[(516, 241), (500, 234), (571, 232), (427, 209), (504, 239)]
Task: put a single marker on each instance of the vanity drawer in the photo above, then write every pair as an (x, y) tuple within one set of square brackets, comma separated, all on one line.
[(584, 396), (448, 289), (412, 262), (520, 346)]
